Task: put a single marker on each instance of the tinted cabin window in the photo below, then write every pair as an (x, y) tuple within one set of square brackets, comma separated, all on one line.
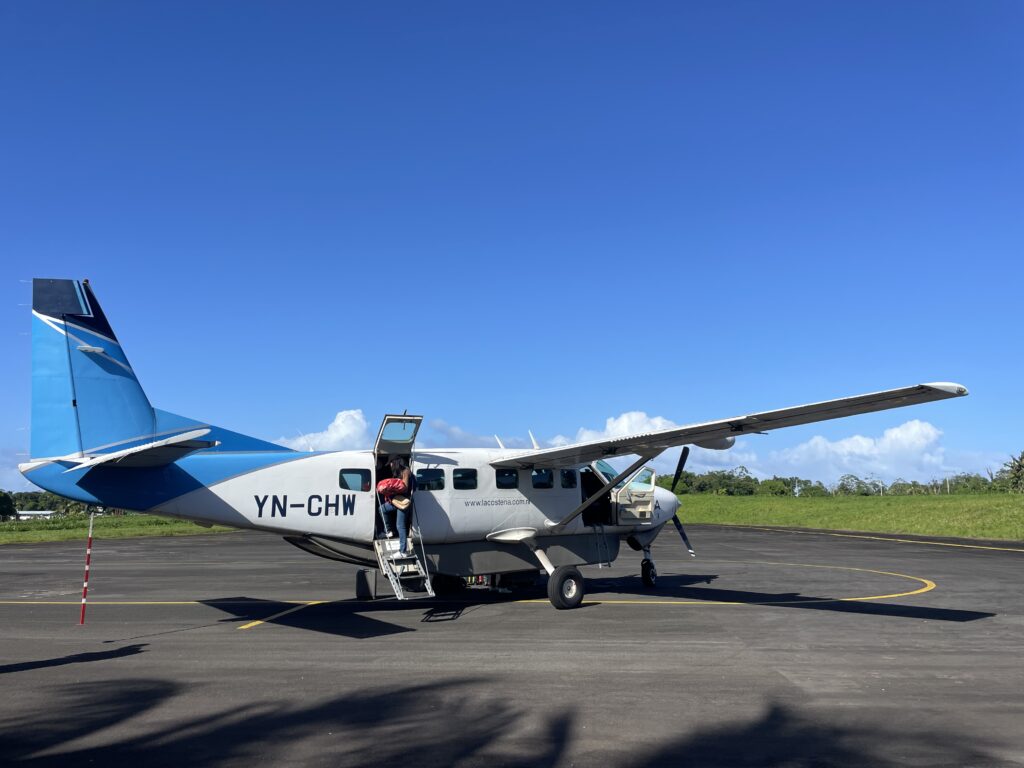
[(568, 478), (506, 478), (464, 479), (429, 479), (543, 478), (354, 479)]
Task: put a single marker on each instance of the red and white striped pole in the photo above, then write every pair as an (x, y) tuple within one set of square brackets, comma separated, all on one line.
[(85, 581)]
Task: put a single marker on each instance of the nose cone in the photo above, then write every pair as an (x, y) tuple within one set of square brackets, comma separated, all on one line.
[(665, 504)]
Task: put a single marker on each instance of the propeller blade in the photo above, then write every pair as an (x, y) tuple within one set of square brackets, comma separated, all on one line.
[(682, 532), (679, 467)]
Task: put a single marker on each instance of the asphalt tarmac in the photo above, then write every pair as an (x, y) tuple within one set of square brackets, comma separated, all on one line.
[(771, 648)]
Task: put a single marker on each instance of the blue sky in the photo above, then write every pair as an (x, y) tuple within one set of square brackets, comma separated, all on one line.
[(511, 216)]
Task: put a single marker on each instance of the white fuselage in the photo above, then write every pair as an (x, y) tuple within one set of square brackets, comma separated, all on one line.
[(307, 495)]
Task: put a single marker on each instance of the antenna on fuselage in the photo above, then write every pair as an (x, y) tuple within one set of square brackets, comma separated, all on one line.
[(533, 440), (500, 445)]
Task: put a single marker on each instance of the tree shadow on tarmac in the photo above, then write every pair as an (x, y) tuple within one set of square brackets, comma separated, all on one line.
[(679, 587), (782, 737), (443, 724), (454, 723)]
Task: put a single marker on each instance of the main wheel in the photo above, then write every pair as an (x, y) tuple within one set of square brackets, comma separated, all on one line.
[(565, 587), (649, 574)]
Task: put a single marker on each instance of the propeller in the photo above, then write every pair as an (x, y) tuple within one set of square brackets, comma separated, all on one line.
[(682, 532), (683, 456)]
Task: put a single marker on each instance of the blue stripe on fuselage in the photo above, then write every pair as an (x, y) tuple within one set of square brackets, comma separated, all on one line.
[(144, 488)]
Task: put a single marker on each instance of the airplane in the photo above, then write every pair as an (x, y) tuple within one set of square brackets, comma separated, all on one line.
[(509, 515)]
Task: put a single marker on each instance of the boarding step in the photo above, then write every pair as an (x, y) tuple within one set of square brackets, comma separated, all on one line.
[(406, 573)]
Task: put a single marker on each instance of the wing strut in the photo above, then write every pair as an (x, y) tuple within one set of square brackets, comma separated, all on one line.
[(644, 458)]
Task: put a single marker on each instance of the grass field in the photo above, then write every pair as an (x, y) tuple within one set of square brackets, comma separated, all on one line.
[(984, 516), (989, 516), (77, 526)]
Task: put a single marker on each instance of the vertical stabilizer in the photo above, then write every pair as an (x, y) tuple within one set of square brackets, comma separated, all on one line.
[(85, 396)]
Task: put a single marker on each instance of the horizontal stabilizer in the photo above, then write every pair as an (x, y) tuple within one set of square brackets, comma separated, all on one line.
[(155, 454)]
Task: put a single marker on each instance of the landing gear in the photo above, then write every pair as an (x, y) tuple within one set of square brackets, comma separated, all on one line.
[(649, 574), (565, 587)]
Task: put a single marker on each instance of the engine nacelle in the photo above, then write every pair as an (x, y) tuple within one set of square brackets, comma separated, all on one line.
[(720, 444)]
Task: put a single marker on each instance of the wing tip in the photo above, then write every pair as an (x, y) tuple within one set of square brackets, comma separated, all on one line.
[(952, 389)]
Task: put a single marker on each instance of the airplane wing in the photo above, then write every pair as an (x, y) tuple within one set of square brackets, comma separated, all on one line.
[(710, 432), (155, 454)]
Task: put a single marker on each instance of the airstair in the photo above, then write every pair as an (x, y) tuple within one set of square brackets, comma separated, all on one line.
[(407, 573)]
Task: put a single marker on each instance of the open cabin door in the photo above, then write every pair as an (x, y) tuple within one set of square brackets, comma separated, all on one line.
[(396, 439), (634, 501), (397, 436)]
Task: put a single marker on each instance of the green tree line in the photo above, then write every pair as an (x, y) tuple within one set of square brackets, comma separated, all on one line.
[(740, 482), (12, 502)]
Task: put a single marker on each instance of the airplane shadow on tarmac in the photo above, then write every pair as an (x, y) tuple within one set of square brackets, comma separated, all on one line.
[(679, 587), (342, 617), (446, 723), (347, 618)]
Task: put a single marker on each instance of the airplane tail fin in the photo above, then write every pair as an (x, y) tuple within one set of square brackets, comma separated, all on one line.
[(85, 395)]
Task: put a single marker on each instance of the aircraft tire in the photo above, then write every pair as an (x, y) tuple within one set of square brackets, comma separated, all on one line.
[(649, 574), (565, 587)]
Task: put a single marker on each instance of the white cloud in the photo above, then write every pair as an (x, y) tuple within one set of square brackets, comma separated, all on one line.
[(638, 422), (347, 432), (629, 423), (912, 451)]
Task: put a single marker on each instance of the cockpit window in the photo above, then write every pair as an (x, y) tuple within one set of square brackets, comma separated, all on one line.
[(643, 481)]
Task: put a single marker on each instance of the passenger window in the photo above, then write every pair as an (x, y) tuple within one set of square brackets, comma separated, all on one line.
[(506, 478), (568, 478), (464, 479), (354, 479), (543, 478), (429, 479)]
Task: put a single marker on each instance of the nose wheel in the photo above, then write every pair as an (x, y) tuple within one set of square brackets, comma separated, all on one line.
[(648, 572)]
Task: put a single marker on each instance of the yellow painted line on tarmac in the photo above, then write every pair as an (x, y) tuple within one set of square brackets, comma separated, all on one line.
[(252, 624), (879, 538), (297, 605), (928, 586)]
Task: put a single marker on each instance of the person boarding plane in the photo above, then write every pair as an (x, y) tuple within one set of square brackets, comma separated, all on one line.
[(96, 438)]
